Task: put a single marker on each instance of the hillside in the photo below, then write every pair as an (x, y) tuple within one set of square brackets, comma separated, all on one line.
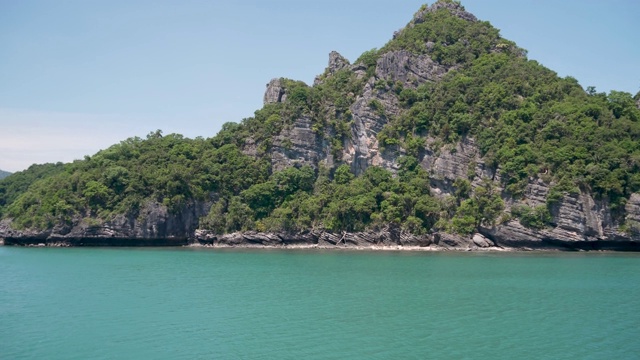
[(446, 135), (4, 174)]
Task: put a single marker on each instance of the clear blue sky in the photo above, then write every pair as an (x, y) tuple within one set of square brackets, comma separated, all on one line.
[(79, 75)]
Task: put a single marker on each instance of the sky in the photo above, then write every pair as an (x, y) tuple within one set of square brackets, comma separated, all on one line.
[(77, 76)]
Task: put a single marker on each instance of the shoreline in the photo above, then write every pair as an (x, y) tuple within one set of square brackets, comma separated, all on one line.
[(429, 248), (373, 248), (298, 246), (386, 240)]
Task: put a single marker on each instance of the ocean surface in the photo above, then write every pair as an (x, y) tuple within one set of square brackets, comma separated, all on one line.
[(106, 303)]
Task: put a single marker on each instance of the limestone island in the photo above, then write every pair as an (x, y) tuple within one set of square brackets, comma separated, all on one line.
[(446, 137)]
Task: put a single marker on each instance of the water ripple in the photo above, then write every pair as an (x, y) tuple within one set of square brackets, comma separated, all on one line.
[(223, 304)]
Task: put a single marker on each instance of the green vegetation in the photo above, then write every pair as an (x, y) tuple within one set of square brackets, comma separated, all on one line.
[(298, 199), (17, 184), (450, 40), (526, 119), (174, 171), (4, 174), (171, 170), (528, 123), (535, 218)]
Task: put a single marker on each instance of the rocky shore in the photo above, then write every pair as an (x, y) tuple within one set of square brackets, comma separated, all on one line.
[(386, 239), (580, 223), (397, 240)]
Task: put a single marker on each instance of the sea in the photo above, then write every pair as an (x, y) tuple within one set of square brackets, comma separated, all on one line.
[(186, 303)]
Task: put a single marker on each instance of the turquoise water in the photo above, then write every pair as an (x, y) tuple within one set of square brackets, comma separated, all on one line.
[(94, 303)]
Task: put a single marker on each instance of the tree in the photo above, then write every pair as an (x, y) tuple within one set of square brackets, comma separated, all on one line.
[(343, 174)]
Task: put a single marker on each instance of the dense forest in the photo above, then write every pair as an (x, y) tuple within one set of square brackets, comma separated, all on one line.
[(526, 120), (4, 174)]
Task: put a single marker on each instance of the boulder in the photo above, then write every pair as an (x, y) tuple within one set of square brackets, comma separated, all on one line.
[(481, 241)]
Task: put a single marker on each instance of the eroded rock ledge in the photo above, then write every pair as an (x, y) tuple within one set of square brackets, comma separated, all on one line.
[(387, 239), (395, 239)]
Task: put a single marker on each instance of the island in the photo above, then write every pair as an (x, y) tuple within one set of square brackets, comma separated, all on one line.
[(446, 137)]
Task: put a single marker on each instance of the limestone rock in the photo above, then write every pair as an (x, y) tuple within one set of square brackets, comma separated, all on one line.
[(298, 145), (275, 92), (153, 225), (450, 241), (481, 241), (633, 208), (580, 223), (449, 163), (536, 193), (388, 237), (577, 214), (362, 149), (513, 234), (410, 69), (337, 62), (632, 220), (454, 8)]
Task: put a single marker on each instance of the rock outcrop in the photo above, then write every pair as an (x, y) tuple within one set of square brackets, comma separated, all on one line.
[(275, 92), (337, 62), (454, 8), (410, 69), (154, 225), (378, 104), (388, 238), (298, 145), (370, 113)]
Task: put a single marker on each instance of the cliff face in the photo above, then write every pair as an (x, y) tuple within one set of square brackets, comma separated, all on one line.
[(578, 220), (153, 226)]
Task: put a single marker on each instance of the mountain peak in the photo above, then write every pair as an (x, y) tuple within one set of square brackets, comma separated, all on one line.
[(337, 62), (454, 7)]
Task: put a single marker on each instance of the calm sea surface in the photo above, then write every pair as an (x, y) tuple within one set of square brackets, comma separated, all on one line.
[(95, 303)]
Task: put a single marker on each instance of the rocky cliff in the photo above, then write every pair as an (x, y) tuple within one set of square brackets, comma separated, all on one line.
[(153, 226), (579, 221)]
